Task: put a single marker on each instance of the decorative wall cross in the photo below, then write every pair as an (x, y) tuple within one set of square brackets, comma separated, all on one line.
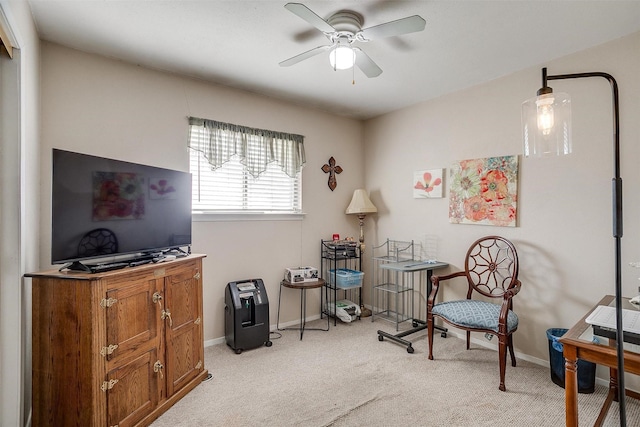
[(332, 170)]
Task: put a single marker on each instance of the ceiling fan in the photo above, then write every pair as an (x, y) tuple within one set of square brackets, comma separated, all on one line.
[(343, 29)]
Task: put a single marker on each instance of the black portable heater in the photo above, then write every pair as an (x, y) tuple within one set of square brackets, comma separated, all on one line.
[(246, 315)]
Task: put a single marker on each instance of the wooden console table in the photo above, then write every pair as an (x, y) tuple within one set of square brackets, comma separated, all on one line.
[(578, 344)]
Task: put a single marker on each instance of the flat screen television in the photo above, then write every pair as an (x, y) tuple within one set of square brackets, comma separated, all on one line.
[(104, 209)]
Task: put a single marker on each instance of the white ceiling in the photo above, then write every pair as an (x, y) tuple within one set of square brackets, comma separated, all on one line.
[(239, 43)]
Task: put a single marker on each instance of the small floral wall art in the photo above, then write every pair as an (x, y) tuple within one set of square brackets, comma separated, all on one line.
[(118, 195), (160, 188), (427, 184), (484, 191)]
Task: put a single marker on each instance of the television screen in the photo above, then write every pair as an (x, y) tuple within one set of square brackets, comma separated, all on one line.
[(105, 207)]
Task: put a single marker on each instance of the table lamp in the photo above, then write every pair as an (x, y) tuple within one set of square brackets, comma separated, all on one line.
[(361, 205)]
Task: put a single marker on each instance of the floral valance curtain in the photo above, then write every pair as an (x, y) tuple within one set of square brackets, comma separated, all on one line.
[(256, 148)]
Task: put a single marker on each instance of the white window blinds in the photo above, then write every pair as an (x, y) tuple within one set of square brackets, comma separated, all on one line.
[(238, 169)]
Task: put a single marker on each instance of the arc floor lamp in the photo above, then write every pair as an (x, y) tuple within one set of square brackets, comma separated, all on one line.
[(546, 123)]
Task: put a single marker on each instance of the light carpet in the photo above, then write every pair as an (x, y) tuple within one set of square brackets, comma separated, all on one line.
[(347, 377)]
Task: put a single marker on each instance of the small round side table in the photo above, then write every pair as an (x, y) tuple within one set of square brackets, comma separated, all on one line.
[(302, 286)]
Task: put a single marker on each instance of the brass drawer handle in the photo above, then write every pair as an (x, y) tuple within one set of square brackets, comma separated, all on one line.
[(158, 367), (157, 298), (165, 314)]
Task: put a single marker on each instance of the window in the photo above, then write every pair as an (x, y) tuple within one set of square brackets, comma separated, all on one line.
[(237, 169)]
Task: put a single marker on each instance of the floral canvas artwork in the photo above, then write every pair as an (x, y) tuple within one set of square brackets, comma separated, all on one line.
[(118, 195), (484, 191), (427, 184)]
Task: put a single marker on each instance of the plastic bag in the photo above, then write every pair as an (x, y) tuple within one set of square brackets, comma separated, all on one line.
[(346, 310)]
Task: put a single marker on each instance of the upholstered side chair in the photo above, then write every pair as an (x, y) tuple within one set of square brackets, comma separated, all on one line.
[(491, 272)]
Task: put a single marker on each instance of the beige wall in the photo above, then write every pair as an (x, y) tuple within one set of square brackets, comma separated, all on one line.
[(564, 234), (108, 108)]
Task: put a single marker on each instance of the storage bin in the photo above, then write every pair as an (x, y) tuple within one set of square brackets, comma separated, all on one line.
[(346, 278), (586, 370)]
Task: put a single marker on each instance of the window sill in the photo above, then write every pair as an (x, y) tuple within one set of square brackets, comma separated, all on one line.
[(245, 216)]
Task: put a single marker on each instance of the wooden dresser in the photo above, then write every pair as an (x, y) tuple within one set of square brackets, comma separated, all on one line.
[(116, 348)]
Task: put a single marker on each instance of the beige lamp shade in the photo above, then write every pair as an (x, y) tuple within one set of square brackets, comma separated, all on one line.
[(360, 203)]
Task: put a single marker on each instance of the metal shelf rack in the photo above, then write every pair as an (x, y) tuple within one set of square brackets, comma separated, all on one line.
[(395, 266), (335, 255), (392, 291)]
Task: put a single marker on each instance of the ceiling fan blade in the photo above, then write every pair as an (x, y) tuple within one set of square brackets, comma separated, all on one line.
[(410, 24), (366, 64), (308, 15), (305, 55)]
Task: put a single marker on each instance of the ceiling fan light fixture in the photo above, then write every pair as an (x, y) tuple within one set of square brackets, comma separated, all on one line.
[(343, 28), (342, 57)]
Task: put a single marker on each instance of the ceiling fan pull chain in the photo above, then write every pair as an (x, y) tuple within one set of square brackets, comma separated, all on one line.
[(353, 75)]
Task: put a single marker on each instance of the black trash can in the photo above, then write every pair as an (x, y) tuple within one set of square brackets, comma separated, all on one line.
[(586, 370)]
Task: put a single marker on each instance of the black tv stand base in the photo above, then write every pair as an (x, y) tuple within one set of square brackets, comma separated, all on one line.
[(177, 252), (75, 266)]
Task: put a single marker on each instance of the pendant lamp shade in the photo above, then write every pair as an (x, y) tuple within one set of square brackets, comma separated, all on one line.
[(546, 124)]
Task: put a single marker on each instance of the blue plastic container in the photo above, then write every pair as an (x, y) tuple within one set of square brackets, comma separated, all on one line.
[(586, 370), (346, 278)]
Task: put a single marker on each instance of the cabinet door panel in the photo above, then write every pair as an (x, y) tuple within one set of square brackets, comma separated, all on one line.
[(184, 331), (135, 391), (183, 299), (133, 321), (184, 360)]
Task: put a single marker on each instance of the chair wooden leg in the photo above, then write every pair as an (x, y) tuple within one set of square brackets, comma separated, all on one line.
[(430, 334), (502, 354), (511, 353), (468, 339)]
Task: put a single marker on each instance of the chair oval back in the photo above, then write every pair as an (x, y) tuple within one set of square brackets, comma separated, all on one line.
[(491, 266)]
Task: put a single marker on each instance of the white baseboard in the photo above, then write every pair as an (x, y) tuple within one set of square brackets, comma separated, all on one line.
[(215, 341), (272, 328)]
